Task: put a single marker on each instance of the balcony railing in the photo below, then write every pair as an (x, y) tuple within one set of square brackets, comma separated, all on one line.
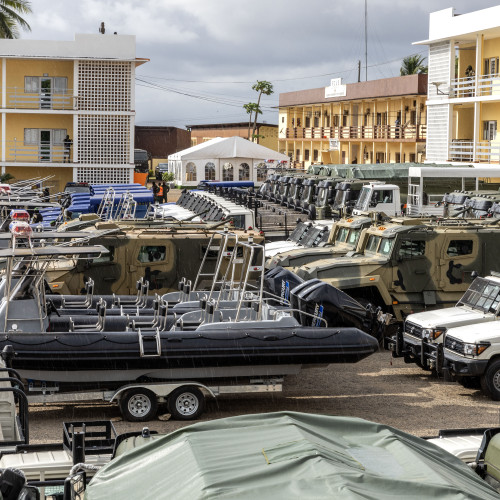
[(485, 152), (387, 132), (466, 87), (37, 153), (18, 99)]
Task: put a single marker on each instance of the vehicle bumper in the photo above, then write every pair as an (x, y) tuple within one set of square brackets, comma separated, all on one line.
[(413, 350), (464, 367)]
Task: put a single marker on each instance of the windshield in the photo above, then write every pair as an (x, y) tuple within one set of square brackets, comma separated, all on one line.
[(322, 197), (342, 235), (364, 196), (77, 189), (307, 192), (339, 198), (482, 295), (379, 245), (353, 237)]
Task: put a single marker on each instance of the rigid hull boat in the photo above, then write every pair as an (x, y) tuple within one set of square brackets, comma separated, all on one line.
[(232, 332)]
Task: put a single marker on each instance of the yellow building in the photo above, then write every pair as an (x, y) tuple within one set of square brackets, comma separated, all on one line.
[(67, 109), (463, 106), (379, 121)]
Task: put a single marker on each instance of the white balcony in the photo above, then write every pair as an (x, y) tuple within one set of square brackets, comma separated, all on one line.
[(483, 152), (44, 152), (466, 87), (18, 99)]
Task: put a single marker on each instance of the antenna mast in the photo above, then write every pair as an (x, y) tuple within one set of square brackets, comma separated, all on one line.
[(366, 42)]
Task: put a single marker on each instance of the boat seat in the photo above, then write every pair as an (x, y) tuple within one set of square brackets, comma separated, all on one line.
[(98, 326), (87, 323), (82, 302)]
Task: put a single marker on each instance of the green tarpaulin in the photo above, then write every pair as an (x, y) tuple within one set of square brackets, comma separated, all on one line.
[(284, 456)]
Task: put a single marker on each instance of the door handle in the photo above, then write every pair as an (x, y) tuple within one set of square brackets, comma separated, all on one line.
[(419, 271)]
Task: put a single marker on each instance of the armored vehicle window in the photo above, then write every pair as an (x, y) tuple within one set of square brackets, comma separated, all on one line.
[(108, 257), (354, 236), (239, 221), (411, 248), (381, 197), (483, 295), (385, 246), (151, 254), (342, 235), (372, 244), (459, 247)]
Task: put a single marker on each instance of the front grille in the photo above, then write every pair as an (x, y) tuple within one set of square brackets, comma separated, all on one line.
[(454, 345), (413, 329)]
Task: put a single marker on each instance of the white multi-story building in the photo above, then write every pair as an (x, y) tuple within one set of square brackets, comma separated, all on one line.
[(68, 108), (463, 106)]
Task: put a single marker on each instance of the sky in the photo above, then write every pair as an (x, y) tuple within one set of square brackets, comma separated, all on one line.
[(205, 55)]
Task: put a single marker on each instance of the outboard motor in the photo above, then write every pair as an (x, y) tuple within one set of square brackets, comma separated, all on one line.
[(295, 299), (280, 281)]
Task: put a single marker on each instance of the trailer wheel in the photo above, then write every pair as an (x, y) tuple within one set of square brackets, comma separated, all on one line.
[(186, 403), (138, 405), (490, 381)]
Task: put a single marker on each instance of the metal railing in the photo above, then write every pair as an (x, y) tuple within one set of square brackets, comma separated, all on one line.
[(466, 86), (37, 153), (17, 98), (463, 150), (388, 132)]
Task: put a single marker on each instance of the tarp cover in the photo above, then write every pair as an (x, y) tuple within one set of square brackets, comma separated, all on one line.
[(288, 455)]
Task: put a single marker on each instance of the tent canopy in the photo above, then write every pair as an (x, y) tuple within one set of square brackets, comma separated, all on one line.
[(228, 147)]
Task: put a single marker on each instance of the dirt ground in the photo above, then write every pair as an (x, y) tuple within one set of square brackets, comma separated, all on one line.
[(378, 389)]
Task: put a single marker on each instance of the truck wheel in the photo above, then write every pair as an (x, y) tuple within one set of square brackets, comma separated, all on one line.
[(490, 381), (138, 405), (186, 403)]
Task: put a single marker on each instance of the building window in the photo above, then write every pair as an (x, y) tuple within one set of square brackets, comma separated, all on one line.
[(227, 172), (244, 172), (261, 174), (191, 172), (297, 154), (316, 121), (489, 130), (315, 155), (210, 171), (308, 121), (306, 155), (282, 119), (398, 158), (413, 157), (45, 84), (491, 66)]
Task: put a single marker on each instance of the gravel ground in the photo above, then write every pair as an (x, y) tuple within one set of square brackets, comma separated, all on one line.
[(377, 388)]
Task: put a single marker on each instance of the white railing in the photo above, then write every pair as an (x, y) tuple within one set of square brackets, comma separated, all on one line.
[(37, 153), (466, 87), (18, 99), (485, 152)]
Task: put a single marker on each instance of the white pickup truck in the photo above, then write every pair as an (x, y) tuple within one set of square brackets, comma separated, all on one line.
[(423, 333)]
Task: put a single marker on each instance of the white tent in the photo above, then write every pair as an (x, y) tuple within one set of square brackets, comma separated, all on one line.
[(222, 159)]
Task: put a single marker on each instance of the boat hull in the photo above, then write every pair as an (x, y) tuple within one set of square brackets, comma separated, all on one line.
[(91, 357)]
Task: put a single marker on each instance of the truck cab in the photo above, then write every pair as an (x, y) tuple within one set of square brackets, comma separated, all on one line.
[(379, 197)]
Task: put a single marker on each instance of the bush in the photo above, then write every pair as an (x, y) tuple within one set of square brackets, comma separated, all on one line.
[(168, 176)]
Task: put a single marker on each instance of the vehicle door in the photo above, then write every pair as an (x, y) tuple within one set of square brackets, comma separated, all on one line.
[(460, 255), (411, 264)]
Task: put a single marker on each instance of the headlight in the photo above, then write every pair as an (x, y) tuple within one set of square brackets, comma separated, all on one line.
[(432, 333), (475, 349)]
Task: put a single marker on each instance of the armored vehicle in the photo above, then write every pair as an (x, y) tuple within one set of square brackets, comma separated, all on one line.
[(406, 269), (160, 255), (343, 238)]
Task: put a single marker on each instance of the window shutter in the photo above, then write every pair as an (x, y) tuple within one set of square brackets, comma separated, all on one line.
[(58, 136), (31, 84), (60, 85), (30, 136)]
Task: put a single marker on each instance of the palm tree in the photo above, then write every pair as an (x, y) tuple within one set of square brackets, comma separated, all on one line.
[(262, 87), (413, 65), (10, 18)]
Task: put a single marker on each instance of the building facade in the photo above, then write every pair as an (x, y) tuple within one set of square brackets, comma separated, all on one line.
[(463, 106), (267, 133), (160, 142), (379, 121), (68, 108)]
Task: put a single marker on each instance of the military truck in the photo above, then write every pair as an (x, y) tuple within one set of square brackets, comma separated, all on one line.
[(160, 255), (406, 269)]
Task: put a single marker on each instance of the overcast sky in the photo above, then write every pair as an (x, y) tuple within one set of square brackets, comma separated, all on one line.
[(206, 54)]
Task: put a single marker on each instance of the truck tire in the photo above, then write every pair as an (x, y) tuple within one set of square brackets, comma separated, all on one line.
[(138, 405), (490, 381), (186, 403)]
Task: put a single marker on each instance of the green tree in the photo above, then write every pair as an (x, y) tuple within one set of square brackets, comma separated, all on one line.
[(413, 65), (251, 108), (262, 87), (10, 18)]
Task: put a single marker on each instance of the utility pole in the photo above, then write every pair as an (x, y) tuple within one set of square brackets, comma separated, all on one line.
[(359, 71), (366, 42)]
